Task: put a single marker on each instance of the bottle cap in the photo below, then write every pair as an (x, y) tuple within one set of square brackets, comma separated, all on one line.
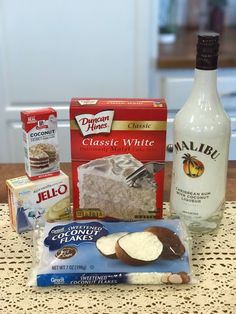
[(207, 51)]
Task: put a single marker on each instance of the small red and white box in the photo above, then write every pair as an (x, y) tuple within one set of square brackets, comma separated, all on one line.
[(118, 154), (40, 143)]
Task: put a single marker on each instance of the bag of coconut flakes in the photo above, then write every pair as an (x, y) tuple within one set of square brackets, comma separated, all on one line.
[(99, 252)]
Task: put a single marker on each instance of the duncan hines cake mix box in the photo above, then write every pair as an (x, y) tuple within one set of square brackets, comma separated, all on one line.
[(40, 143), (118, 153), (42, 200)]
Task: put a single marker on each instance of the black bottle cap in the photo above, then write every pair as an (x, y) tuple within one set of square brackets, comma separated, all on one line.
[(207, 51)]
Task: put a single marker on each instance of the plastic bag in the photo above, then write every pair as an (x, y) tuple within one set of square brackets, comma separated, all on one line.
[(99, 252)]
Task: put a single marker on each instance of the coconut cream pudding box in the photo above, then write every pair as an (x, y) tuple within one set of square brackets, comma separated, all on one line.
[(40, 143), (118, 153), (38, 201)]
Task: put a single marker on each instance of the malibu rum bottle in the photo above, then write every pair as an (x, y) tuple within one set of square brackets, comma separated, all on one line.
[(201, 135)]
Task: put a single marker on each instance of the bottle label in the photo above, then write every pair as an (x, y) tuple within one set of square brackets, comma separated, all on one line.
[(199, 177)]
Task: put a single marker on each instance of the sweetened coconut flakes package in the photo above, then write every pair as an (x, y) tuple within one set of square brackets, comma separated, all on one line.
[(98, 252)]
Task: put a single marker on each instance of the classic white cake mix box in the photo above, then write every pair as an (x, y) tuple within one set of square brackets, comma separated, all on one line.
[(118, 153), (42, 200), (40, 143)]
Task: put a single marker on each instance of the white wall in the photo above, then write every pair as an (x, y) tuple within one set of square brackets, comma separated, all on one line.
[(51, 51)]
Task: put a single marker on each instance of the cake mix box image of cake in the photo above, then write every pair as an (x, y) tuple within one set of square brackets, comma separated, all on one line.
[(38, 201), (40, 143), (104, 183), (118, 153)]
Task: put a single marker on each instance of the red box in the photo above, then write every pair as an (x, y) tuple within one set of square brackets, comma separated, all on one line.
[(40, 143), (110, 140)]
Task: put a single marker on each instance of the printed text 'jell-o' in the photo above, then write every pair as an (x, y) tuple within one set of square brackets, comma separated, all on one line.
[(40, 200), (118, 153), (40, 143)]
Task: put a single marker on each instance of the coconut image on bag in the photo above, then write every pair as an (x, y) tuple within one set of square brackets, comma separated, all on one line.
[(107, 244), (172, 246), (139, 248)]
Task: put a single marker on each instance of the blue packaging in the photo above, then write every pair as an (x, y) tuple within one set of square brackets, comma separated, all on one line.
[(81, 252)]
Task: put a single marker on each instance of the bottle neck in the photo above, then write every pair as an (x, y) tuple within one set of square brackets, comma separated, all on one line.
[(204, 93), (205, 83)]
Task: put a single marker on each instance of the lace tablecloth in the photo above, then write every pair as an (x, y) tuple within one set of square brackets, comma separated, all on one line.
[(214, 266)]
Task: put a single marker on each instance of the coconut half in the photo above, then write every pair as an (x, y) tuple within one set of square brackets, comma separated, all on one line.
[(173, 248), (138, 248), (106, 245)]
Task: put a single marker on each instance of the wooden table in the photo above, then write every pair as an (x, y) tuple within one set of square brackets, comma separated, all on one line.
[(8, 171)]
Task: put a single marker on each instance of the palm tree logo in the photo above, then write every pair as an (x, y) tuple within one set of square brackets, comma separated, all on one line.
[(193, 167)]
